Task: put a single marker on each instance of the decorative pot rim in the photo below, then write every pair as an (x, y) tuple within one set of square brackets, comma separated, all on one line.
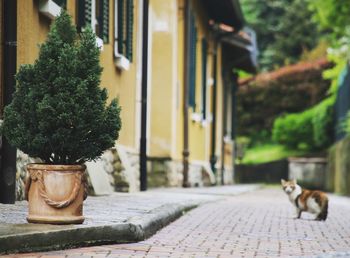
[(44, 166)]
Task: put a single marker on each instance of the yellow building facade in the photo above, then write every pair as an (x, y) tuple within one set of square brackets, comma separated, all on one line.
[(33, 25), (185, 55), (166, 87)]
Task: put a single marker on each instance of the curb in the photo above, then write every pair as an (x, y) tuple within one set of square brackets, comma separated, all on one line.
[(134, 230), (157, 219), (38, 237)]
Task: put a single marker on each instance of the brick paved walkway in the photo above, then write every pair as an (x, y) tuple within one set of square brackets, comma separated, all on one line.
[(257, 224)]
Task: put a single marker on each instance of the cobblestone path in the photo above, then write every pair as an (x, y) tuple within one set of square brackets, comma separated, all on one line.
[(257, 224)]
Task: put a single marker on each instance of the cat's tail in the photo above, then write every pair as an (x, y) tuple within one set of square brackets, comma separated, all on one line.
[(324, 213)]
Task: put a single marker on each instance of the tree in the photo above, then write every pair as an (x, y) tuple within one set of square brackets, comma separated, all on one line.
[(59, 112), (284, 30), (332, 16)]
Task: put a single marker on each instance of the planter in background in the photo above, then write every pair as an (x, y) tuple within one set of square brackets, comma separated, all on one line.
[(55, 193), (309, 172)]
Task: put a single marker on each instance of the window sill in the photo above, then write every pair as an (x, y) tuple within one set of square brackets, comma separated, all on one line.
[(122, 62), (196, 117), (228, 139), (49, 8), (99, 43)]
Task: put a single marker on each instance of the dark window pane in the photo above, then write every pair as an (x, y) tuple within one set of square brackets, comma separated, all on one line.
[(129, 29), (204, 77), (193, 57), (62, 3)]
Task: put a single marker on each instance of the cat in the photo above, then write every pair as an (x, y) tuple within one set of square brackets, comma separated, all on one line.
[(315, 202)]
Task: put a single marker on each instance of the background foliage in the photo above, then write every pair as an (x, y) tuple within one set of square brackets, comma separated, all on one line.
[(290, 89), (284, 30), (311, 129)]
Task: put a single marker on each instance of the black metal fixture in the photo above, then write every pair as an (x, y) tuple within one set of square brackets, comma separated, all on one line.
[(8, 153), (143, 140)]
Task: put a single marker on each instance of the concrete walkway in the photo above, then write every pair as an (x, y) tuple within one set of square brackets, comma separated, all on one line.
[(119, 218), (257, 224)]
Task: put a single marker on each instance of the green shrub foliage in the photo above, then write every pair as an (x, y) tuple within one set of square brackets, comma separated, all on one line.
[(311, 129), (323, 123), (293, 129), (59, 112), (290, 89)]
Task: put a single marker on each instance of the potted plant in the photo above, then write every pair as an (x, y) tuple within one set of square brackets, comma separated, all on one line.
[(59, 114)]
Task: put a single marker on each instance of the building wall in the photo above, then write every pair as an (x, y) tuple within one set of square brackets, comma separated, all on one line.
[(180, 79), (123, 84), (166, 77), (199, 130), (163, 77), (33, 28)]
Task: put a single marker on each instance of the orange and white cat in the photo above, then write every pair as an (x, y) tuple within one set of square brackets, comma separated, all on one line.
[(315, 202)]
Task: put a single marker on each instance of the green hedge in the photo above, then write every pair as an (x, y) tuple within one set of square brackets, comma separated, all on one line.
[(311, 129), (293, 129), (323, 123), (290, 89)]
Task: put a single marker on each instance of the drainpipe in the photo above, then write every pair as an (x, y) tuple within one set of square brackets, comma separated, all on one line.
[(234, 120), (143, 140), (213, 157), (187, 52), (8, 153), (224, 126)]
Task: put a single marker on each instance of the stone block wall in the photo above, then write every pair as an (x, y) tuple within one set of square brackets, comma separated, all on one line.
[(122, 168), (338, 171), (309, 172), (270, 172)]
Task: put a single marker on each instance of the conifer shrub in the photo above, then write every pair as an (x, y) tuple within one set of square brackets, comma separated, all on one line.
[(59, 113)]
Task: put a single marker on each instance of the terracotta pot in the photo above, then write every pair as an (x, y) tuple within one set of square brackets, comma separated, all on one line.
[(55, 193)]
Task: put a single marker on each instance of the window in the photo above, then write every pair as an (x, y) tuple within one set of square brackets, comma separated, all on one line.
[(94, 13), (193, 57), (204, 77), (123, 28), (61, 3)]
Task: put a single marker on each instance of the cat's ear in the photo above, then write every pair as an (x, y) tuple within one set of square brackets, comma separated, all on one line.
[(294, 181), (283, 181)]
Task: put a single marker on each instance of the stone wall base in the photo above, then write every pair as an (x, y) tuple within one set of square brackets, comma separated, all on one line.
[(121, 167), (309, 172)]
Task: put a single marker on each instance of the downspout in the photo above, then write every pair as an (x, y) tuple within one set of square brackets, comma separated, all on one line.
[(224, 125), (187, 53), (213, 157), (8, 153), (143, 140), (234, 121)]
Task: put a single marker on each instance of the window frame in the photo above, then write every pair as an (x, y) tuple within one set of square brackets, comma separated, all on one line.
[(193, 62), (121, 57), (93, 21), (49, 8), (204, 48)]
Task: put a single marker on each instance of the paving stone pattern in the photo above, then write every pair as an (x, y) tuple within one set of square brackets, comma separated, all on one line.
[(118, 218), (256, 224), (117, 208)]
